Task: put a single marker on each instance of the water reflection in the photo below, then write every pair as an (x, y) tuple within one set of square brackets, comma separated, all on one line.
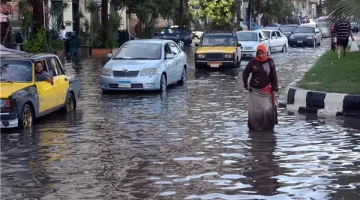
[(263, 164)]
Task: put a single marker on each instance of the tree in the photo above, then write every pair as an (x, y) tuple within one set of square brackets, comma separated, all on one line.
[(37, 15), (218, 11), (275, 10), (104, 20), (346, 8)]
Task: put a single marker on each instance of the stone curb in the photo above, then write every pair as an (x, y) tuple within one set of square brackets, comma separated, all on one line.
[(321, 103)]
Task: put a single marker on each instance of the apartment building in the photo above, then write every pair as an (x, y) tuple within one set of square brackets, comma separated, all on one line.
[(305, 8)]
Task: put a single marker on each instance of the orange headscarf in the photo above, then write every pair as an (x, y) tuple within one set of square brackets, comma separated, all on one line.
[(262, 48)]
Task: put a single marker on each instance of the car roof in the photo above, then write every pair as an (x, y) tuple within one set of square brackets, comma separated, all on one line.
[(31, 58), (289, 25), (147, 41), (308, 25)]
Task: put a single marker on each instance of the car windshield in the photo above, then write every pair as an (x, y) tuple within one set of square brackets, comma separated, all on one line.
[(16, 71), (218, 40), (139, 51), (267, 33), (287, 28), (305, 30), (247, 36)]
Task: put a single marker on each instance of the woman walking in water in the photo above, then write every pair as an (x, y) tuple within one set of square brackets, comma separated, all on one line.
[(263, 85)]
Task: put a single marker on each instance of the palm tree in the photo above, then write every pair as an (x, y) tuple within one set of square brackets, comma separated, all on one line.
[(342, 8)]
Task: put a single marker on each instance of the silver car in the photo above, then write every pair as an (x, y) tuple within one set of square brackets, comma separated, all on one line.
[(149, 64)]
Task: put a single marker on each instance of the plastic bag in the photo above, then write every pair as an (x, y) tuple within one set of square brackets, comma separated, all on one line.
[(354, 47)]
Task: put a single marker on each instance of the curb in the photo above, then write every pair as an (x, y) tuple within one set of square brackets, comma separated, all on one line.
[(321, 103)]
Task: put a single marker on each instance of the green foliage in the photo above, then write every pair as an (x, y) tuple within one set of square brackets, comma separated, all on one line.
[(220, 12), (115, 22), (275, 10), (41, 43), (37, 43), (345, 8), (27, 20)]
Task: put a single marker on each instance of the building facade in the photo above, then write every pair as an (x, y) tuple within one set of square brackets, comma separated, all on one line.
[(305, 8)]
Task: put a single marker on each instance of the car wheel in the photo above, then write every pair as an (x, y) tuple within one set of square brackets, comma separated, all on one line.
[(183, 76), (163, 83), (70, 103), (284, 49), (26, 117)]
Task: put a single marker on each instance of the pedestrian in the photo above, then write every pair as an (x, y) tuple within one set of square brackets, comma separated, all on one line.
[(63, 33), (333, 38), (262, 113), (342, 33)]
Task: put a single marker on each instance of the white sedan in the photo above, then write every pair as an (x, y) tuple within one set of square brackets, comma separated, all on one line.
[(249, 41), (148, 64), (278, 41)]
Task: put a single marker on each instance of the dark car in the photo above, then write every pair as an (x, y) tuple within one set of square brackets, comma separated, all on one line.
[(306, 35), (177, 35), (288, 29)]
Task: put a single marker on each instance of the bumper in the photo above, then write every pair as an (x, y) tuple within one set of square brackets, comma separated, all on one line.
[(301, 42), (248, 55), (135, 83), (9, 120), (224, 63)]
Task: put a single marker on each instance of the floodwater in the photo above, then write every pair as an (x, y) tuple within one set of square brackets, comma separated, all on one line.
[(191, 143)]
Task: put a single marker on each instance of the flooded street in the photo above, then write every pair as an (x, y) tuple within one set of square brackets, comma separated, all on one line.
[(192, 143)]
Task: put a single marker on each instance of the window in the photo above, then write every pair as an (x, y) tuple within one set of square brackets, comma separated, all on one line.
[(57, 67), (278, 34), (51, 67), (167, 49), (16, 71), (260, 36), (218, 40), (139, 51), (273, 34), (174, 48)]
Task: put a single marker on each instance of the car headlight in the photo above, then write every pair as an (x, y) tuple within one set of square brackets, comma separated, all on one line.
[(149, 71), (201, 56), (309, 37), (228, 55), (5, 103), (292, 37), (106, 72)]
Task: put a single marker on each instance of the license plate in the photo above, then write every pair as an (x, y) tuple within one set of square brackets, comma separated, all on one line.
[(214, 64), (246, 55), (124, 84), (299, 41)]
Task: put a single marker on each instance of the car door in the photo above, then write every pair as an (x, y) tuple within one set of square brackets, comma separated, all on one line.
[(61, 83), (179, 61), (170, 64), (46, 91)]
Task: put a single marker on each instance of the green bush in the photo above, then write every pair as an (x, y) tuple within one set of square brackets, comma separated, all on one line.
[(37, 44)]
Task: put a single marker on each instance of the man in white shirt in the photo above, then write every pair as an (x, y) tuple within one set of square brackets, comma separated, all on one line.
[(63, 33)]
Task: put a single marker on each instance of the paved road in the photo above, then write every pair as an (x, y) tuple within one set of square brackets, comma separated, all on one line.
[(192, 143)]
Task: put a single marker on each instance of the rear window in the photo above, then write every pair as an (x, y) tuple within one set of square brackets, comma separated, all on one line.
[(16, 71), (287, 28), (218, 40)]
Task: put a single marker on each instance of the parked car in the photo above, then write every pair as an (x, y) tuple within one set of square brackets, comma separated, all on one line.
[(197, 34), (324, 28), (288, 29), (250, 40), (306, 35), (218, 49), (179, 36), (355, 26), (145, 64), (23, 99), (254, 26), (278, 41)]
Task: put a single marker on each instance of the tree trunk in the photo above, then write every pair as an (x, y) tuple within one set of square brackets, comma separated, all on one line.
[(104, 21), (37, 15)]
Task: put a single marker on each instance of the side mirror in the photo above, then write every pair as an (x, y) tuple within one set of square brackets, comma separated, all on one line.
[(169, 56), (273, 37), (197, 44), (109, 55)]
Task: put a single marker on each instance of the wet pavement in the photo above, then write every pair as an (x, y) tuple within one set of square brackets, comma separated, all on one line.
[(191, 143)]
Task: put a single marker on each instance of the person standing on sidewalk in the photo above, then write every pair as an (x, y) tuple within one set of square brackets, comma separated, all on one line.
[(263, 85), (342, 32)]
